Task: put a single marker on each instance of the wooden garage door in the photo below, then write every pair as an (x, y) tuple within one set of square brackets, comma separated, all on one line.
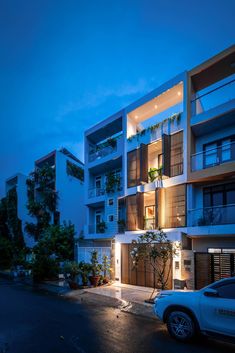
[(142, 275)]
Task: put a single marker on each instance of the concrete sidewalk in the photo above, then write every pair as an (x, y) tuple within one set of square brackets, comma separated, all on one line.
[(127, 298)]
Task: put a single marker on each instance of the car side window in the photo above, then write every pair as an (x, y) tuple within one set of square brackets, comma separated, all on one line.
[(227, 291)]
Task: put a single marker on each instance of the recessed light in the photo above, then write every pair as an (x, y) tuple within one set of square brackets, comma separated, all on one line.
[(179, 93), (136, 117), (155, 106)]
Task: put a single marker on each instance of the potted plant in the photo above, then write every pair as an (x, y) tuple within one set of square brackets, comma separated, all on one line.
[(96, 268), (155, 173), (112, 142), (71, 270), (84, 271), (106, 269), (100, 227)]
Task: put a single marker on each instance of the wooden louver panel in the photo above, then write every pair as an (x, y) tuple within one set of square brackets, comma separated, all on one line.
[(166, 149)]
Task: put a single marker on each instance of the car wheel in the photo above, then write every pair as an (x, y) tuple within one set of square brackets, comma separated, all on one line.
[(180, 326)]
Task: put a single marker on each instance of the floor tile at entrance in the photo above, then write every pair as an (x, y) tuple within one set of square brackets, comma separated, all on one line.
[(124, 292)]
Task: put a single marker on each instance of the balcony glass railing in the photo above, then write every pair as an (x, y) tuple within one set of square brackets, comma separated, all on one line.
[(104, 151), (98, 228), (212, 157), (149, 223), (94, 192), (207, 216), (220, 93)]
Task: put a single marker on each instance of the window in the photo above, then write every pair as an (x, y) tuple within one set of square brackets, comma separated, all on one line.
[(111, 218), (149, 217), (98, 182), (227, 291), (160, 160), (210, 155), (174, 207), (219, 195), (218, 152), (226, 152), (110, 202)]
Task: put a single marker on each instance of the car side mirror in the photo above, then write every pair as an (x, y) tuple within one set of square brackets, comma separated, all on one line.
[(209, 292)]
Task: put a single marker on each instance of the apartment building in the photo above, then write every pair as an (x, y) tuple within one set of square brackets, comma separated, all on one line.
[(67, 181), (167, 160)]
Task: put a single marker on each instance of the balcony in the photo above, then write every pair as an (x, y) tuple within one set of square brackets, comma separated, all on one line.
[(102, 152), (213, 157), (95, 192), (213, 96), (99, 228), (210, 216)]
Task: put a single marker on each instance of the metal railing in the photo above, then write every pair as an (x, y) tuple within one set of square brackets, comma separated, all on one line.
[(216, 96), (94, 192), (206, 216), (213, 157)]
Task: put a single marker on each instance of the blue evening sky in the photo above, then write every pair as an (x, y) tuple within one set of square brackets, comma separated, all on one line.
[(67, 64)]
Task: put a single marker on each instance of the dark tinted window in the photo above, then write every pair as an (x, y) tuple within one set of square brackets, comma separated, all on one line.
[(227, 291)]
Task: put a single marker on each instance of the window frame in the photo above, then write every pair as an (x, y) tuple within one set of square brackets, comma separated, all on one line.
[(218, 148)]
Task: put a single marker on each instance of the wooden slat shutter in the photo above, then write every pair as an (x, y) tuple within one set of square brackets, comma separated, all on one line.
[(131, 212), (140, 210), (131, 169), (143, 163), (156, 207), (161, 207), (166, 149)]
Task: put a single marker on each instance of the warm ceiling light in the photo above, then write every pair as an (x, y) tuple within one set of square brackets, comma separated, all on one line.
[(136, 117), (155, 106), (179, 93)]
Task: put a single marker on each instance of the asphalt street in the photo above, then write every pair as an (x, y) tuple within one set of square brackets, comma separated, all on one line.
[(39, 322)]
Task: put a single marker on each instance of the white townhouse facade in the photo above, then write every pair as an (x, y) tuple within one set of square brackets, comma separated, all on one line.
[(167, 160)]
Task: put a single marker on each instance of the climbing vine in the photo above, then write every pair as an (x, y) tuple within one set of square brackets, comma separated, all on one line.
[(42, 199), (174, 117)]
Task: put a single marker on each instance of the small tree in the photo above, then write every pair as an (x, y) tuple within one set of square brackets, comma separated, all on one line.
[(156, 248), (55, 244), (84, 271), (96, 267)]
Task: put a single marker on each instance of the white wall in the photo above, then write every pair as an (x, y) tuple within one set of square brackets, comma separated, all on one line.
[(71, 194)]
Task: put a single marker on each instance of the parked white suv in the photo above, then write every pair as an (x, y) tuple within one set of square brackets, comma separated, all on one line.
[(210, 310)]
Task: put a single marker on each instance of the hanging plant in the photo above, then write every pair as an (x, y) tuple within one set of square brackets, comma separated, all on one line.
[(113, 183), (75, 171), (155, 173), (112, 142), (100, 227)]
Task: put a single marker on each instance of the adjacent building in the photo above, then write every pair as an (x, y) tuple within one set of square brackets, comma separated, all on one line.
[(167, 160), (66, 181)]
